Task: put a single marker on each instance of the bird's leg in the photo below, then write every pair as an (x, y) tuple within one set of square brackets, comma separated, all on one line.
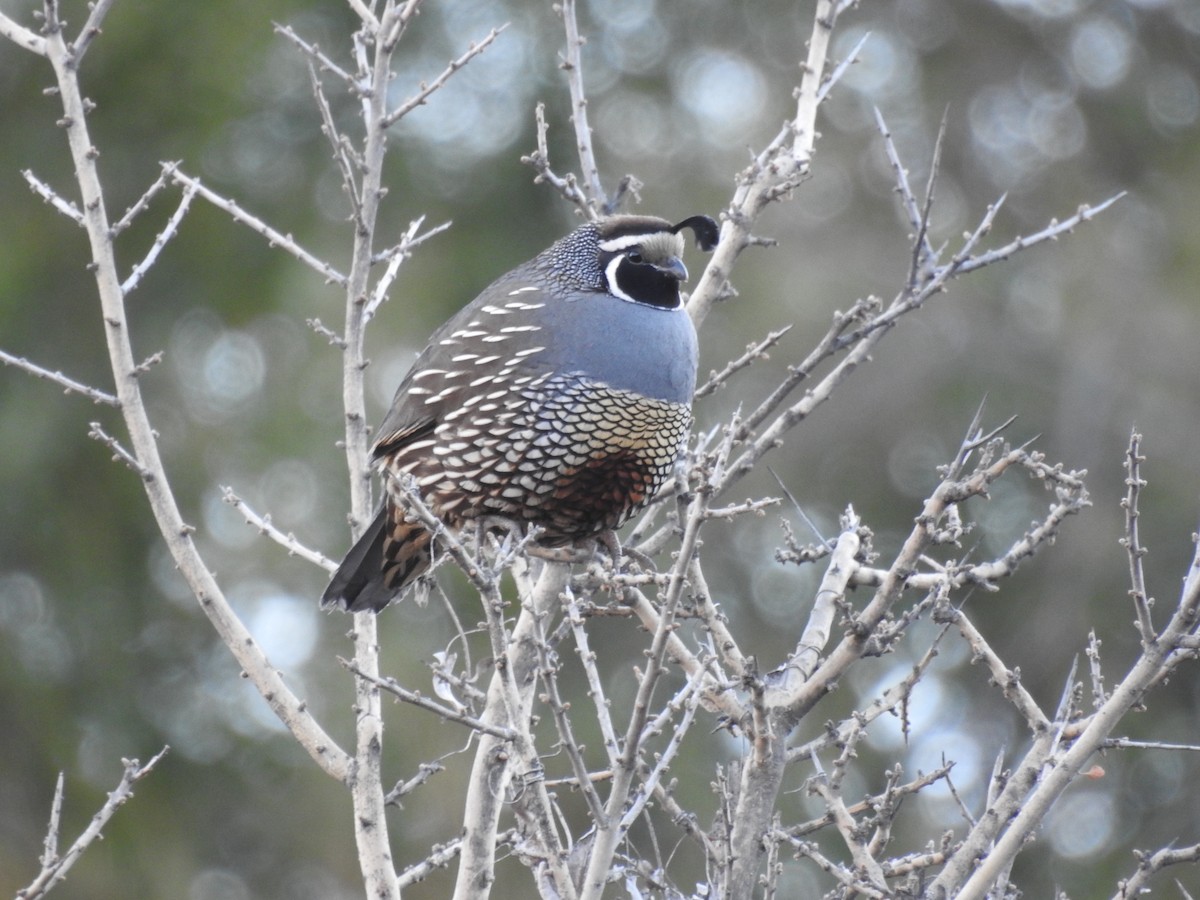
[(609, 540)]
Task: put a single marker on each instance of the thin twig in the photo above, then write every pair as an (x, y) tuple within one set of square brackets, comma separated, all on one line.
[(396, 255), (418, 699), (275, 238), (1150, 864), (143, 202), (567, 185), (689, 700), (1132, 541), (348, 161), (316, 57), (160, 241), (1051, 232), (266, 527), (51, 196), (439, 858), (119, 452), (548, 672), (572, 64), (69, 385), (423, 93), (754, 352), (91, 28), (54, 867), (144, 453)]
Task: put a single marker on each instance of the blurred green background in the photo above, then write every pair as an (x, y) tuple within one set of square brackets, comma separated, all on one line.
[(103, 653)]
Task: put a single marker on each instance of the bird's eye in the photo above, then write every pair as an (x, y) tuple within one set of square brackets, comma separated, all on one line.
[(634, 256)]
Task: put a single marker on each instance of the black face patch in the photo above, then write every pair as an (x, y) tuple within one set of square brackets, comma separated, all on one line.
[(633, 278)]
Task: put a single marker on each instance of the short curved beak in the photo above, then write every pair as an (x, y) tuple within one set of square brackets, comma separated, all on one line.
[(673, 267)]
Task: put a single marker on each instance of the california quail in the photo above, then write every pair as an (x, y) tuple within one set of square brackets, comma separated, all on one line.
[(560, 397)]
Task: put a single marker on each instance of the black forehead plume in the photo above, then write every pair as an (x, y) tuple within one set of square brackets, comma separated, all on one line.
[(704, 228)]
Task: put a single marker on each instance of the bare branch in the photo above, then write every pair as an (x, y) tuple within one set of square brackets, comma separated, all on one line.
[(774, 172), (91, 28), (917, 217), (266, 527), (143, 454), (119, 452), (754, 352), (160, 241), (864, 862), (1150, 864), (841, 68), (143, 202), (1129, 744), (830, 594), (913, 787), (1132, 542), (887, 702), (47, 193), (1031, 809), (22, 36), (365, 13), (610, 830), (441, 857), (548, 671), (572, 64), (1006, 679), (423, 94), (394, 257), (688, 699), (595, 684), (69, 385), (348, 161), (1051, 232), (415, 698), (275, 238), (319, 60), (566, 185), (494, 769), (54, 867)]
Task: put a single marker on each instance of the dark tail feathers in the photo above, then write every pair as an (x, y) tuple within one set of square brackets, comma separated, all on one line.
[(390, 554), (358, 582)]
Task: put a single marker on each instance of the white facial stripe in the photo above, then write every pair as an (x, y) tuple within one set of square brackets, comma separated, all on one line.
[(610, 275), (621, 243)]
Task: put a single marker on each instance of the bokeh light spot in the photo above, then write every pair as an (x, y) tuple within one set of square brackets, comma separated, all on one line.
[(1173, 98), (724, 91), (1081, 825), (1100, 53)]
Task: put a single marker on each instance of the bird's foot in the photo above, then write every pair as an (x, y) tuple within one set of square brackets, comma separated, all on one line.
[(619, 554)]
